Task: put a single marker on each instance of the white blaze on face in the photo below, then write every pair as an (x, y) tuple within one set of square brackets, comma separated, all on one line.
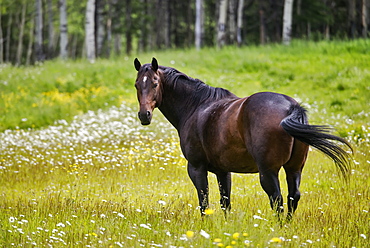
[(145, 78)]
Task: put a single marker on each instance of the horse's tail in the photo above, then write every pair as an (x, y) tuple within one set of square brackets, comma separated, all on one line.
[(296, 125)]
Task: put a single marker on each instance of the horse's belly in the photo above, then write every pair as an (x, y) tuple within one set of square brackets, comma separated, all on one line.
[(235, 160)]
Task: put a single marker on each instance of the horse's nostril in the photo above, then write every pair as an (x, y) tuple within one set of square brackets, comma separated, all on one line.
[(148, 113)]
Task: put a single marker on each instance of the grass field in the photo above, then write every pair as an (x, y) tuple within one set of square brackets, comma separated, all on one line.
[(72, 175)]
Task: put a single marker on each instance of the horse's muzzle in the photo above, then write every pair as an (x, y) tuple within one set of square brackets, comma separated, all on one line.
[(145, 117)]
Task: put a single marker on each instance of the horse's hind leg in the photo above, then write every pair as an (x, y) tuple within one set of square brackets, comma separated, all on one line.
[(293, 169), (270, 184), (293, 179), (224, 184)]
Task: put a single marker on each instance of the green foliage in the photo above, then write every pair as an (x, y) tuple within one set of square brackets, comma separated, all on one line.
[(331, 75)]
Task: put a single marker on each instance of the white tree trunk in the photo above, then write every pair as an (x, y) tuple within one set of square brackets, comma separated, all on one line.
[(232, 22), (50, 29), (1, 40), (287, 21), (109, 30), (239, 37), (90, 31), (38, 32), (199, 22), (8, 35), (222, 23), (364, 19), (117, 44), (20, 37), (100, 26), (30, 42), (166, 24), (327, 32), (63, 29)]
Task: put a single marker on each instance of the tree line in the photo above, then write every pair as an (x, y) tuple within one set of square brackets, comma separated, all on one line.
[(37, 30)]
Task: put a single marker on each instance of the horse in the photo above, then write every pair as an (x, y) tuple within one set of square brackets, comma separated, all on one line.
[(222, 133)]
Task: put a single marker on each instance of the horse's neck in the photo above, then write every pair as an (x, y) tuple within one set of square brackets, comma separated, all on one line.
[(175, 104)]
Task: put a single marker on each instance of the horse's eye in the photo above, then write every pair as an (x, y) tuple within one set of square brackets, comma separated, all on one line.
[(155, 85)]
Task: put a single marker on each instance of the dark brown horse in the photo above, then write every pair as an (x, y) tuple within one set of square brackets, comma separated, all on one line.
[(222, 133)]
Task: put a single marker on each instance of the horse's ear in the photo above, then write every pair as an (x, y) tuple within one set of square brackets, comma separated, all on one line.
[(137, 64), (154, 64)]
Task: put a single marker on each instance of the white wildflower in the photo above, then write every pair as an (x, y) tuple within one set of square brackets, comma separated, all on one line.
[(145, 226), (60, 224), (204, 234)]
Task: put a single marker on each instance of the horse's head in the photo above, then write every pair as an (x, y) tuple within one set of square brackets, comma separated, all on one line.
[(149, 89)]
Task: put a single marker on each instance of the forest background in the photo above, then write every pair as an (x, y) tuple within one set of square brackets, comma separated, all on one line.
[(39, 30)]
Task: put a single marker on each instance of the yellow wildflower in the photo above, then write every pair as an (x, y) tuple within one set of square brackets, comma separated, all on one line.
[(236, 235), (217, 240), (189, 234), (276, 240), (209, 211)]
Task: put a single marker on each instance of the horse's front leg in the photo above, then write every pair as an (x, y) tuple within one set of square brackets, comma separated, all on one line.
[(224, 184), (198, 176)]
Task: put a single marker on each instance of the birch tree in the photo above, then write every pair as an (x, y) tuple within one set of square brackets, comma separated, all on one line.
[(199, 22), (1, 40), (20, 35), (8, 41), (30, 42), (162, 26), (166, 24), (364, 19), (232, 21), (287, 21), (262, 23), (128, 23), (239, 24), (116, 7), (109, 29), (38, 31), (222, 23), (50, 29), (63, 26), (142, 42), (100, 26), (90, 30)]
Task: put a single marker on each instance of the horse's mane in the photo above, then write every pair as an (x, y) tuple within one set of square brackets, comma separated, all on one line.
[(202, 92)]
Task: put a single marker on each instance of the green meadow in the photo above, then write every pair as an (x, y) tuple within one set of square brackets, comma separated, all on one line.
[(78, 170)]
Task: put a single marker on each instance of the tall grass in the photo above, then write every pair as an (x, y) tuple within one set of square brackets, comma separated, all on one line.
[(102, 180)]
